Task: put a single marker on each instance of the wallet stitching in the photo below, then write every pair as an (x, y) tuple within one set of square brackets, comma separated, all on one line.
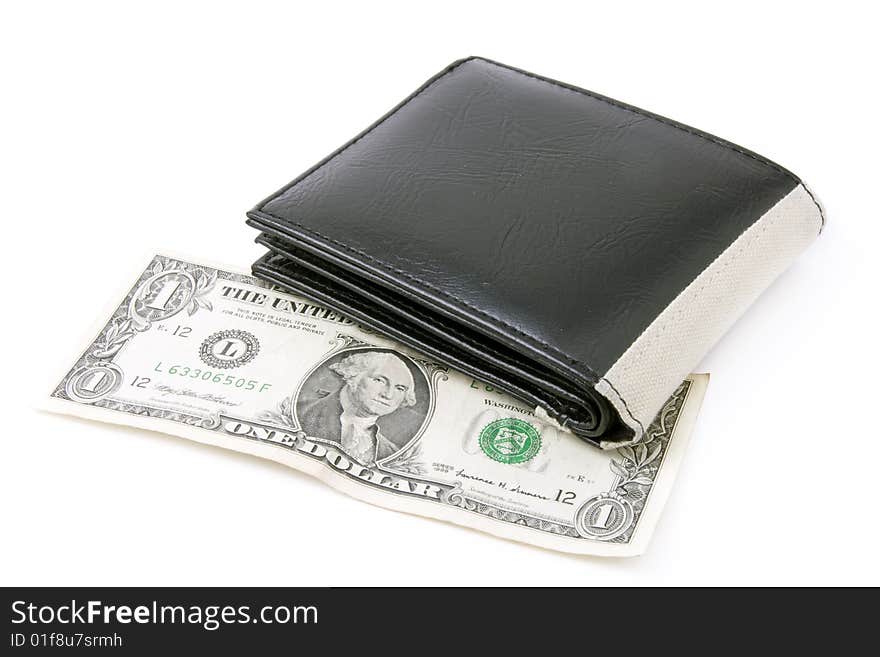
[(415, 310), (625, 405), (412, 307), (446, 295), (723, 144), (558, 406)]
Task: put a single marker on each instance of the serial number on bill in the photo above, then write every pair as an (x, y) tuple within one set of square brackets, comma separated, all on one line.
[(218, 378)]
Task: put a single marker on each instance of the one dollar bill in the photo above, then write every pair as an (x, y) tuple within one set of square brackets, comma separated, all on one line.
[(223, 358)]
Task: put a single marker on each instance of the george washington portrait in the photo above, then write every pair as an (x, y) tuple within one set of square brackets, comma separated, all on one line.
[(369, 401)]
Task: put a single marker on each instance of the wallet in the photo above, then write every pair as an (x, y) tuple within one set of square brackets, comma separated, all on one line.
[(576, 252)]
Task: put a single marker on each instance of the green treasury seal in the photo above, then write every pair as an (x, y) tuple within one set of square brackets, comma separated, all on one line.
[(510, 440)]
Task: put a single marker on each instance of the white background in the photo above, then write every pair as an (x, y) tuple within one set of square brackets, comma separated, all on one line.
[(125, 128)]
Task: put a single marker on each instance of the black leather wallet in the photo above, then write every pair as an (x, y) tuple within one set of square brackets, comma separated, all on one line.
[(575, 251)]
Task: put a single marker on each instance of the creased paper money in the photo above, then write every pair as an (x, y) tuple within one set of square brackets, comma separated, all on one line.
[(221, 358)]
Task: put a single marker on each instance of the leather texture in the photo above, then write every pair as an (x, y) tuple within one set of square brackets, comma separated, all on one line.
[(521, 229)]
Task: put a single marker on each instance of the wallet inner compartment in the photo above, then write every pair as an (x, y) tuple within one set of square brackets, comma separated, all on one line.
[(579, 407)]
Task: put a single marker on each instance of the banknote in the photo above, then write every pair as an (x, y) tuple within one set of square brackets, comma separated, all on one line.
[(220, 357)]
